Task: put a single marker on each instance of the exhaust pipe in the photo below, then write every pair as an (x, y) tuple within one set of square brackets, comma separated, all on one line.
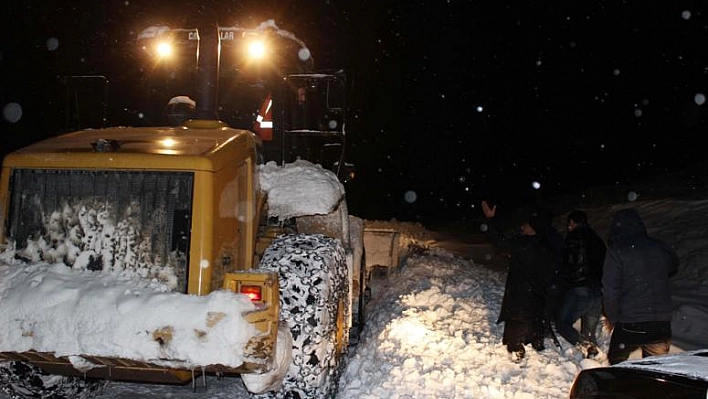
[(208, 57)]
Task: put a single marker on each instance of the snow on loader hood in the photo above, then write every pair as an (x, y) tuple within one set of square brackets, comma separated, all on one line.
[(299, 189), (67, 312)]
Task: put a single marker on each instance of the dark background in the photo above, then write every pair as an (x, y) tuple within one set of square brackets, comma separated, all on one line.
[(451, 101)]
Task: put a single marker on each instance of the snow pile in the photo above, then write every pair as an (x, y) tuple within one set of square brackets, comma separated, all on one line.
[(176, 100), (53, 308), (299, 188), (433, 334)]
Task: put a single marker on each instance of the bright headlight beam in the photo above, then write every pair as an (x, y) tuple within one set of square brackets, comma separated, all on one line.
[(256, 49), (164, 49)]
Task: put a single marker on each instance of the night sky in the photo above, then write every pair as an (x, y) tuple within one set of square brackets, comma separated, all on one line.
[(451, 101)]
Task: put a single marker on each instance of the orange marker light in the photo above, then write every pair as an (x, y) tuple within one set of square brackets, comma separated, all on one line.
[(252, 291)]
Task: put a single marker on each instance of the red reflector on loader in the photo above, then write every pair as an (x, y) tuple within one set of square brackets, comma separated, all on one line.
[(252, 291)]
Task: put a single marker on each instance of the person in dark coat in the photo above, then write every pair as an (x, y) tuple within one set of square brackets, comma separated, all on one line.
[(523, 303), (635, 288), (556, 286), (582, 272)]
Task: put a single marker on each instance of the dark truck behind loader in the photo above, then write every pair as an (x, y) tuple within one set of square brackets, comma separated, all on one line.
[(192, 191)]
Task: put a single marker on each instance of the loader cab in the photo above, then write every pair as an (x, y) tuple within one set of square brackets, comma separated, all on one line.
[(296, 111), (304, 118), (315, 103)]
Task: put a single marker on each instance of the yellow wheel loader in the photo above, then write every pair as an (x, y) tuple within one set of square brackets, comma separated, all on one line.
[(188, 210)]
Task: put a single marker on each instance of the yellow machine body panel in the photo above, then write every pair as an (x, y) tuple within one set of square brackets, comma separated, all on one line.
[(223, 206), (222, 160)]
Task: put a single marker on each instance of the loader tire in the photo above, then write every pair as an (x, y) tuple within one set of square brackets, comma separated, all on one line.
[(23, 380), (314, 302)]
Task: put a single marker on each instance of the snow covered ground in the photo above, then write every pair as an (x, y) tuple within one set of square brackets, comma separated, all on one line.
[(431, 330)]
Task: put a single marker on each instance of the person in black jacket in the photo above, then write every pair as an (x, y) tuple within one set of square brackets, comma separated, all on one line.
[(556, 286), (635, 288), (582, 272), (523, 302)]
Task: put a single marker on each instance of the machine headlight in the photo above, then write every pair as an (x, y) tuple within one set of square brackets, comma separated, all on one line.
[(256, 49), (164, 49)]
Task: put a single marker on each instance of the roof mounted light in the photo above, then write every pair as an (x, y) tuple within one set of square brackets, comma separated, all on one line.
[(256, 49), (164, 49)]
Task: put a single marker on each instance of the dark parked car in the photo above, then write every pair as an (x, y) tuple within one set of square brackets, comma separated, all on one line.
[(681, 375)]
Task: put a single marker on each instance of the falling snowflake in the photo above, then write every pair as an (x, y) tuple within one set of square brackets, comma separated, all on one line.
[(12, 112), (52, 44)]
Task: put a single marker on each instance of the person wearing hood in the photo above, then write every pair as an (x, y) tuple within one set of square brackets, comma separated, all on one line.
[(523, 304), (582, 274), (635, 288)]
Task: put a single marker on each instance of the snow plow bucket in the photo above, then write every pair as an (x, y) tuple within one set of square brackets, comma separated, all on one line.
[(108, 368), (256, 351)]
